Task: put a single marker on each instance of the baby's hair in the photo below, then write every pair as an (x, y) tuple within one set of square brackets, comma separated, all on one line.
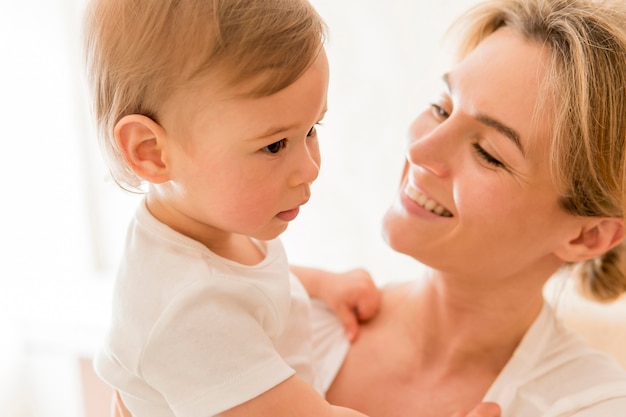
[(586, 93), (139, 52)]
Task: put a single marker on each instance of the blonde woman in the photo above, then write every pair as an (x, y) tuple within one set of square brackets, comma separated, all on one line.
[(516, 171)]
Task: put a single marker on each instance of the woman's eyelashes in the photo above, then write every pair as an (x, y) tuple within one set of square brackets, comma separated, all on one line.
[(441, 113), (486, 156)]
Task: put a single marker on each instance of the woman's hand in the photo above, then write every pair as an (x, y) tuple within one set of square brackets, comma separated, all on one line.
[(352, 295)]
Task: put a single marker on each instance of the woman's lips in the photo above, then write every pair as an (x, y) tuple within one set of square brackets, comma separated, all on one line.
[(426, 202)]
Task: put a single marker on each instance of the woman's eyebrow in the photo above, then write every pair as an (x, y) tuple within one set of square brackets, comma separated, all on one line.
[(489, 121), (502, 128)]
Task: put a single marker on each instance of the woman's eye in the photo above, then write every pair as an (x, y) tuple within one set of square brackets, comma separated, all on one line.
[(275, 147), (483, 154), (439, 112)]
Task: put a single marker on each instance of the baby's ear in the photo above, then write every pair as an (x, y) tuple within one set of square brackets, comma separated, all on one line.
[(597, 236), (141, 141)]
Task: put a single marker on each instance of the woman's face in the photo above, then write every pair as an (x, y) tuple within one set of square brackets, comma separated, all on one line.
[(476, 195)]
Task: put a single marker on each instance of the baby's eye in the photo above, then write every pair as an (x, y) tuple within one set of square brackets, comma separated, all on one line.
[(439, 111), (311, 132), (275, 147)]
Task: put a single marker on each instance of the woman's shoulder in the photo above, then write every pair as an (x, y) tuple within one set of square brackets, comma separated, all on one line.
[(554, 372), (396, 292)]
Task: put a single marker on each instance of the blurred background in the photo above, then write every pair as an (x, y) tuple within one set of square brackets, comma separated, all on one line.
[(63, 220)]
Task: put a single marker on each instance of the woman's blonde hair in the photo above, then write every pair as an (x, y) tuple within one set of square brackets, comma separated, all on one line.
[(138, 52), (587, 86)]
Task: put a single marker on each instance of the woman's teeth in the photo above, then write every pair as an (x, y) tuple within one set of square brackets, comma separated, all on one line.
[(427, 203)]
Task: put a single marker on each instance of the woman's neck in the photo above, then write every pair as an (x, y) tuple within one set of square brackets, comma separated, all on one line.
[(455, 325)]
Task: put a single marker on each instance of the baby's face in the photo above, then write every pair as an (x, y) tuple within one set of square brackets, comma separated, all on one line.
[(243, 165)]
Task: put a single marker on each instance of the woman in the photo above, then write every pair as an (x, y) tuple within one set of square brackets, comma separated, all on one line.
[(515, 171)]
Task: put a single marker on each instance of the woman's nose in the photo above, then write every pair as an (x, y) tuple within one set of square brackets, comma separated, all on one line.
[(430, 148)]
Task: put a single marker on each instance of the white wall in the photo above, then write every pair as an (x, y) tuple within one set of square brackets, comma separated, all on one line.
[(62, 223), (382, 56)]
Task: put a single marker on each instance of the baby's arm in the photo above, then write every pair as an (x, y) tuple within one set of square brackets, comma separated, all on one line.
[(352, 295), (293, 397), (482, 410)]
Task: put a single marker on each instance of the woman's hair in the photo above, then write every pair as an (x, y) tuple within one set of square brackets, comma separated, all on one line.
[(586, 86), (139, 52)]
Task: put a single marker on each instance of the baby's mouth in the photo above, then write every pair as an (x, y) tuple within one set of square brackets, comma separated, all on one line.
[(426, 202)]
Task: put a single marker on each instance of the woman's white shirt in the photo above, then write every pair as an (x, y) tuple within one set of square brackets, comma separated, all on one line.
[(553, 373)]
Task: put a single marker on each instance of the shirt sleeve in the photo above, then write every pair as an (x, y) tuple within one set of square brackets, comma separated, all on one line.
[(330, 345), (210, 351)]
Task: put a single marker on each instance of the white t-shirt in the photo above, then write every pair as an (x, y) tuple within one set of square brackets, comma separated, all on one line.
[(195, 334), (553, 373)]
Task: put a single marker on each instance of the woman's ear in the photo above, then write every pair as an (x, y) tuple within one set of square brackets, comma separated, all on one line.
[(141, 140), (597, 236)]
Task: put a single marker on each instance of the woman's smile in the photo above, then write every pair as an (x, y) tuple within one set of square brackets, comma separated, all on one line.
[(425, 201)]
